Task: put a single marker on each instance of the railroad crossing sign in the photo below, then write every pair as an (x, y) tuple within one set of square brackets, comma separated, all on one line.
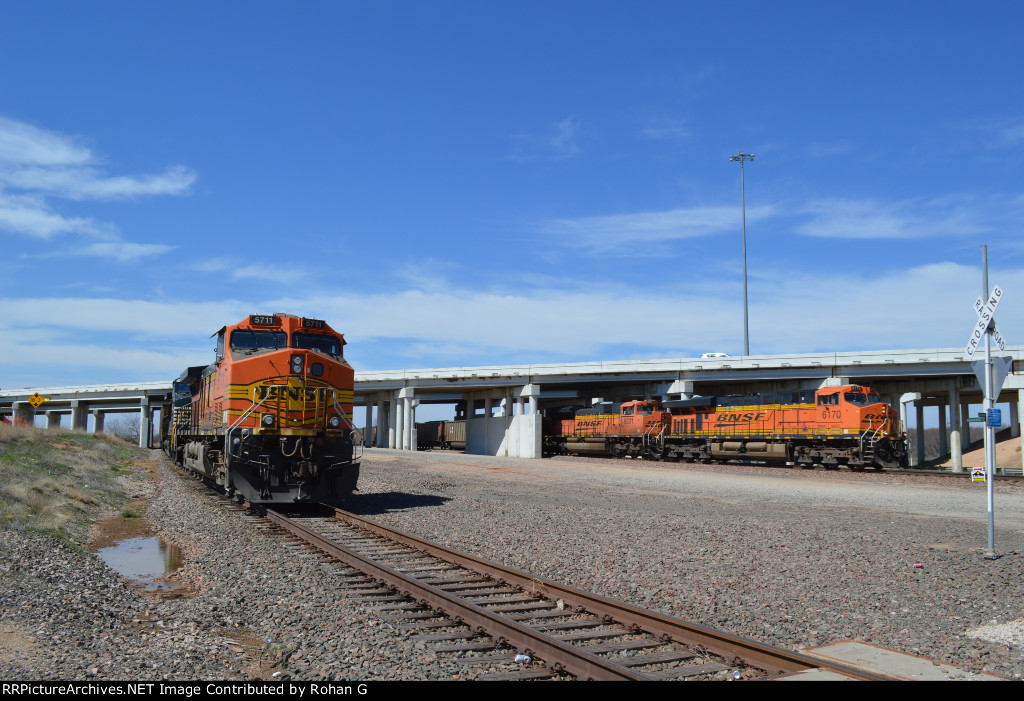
[(36, 399), (986, 311)]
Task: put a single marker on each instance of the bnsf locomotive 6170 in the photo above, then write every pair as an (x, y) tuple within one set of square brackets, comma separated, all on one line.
[(846, 425), (270, 418)]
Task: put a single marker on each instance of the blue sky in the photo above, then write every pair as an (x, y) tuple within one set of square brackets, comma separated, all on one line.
[(461, 183)]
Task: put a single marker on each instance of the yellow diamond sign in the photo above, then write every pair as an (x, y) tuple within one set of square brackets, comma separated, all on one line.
[(36, 399)]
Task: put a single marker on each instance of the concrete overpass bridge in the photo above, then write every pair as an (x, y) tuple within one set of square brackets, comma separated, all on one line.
[(503, 404)]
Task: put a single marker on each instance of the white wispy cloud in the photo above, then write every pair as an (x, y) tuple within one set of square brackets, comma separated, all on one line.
[(666, 129), (26, 145), (29, 214), (230, 269), (558, 142), (124, 251), (620, 232), (90, 183), (459, 325), (906, 219), (38, 166)]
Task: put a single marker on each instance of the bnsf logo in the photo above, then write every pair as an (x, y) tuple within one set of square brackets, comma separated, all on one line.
[(587, 424), (309, 394), (737, 418)]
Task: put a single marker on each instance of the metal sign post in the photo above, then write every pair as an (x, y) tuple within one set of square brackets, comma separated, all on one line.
[(986, 317)]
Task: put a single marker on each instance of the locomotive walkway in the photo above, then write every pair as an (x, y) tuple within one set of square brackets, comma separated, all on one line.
[(503, 404)]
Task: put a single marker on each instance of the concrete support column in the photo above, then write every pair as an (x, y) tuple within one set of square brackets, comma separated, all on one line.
[(919, 417), (408, 422), (389, 423), (965, 430), (399, 420), (53, 419), (488, 407), (414, 438), (97, 421), (381, 424), (145, 418), (1014, 419), (904, 400), (23, 414), (79, 417), (942, 430), (520, 406), (956, 448), (1020, 405), (368, 431)]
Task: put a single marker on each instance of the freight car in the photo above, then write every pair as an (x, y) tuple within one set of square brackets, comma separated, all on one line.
[(847, 425), (271, 417), (446, 435)]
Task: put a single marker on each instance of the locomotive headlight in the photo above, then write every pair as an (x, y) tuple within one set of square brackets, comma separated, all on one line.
[(296, 364), (334, 422), (317, 369), (268, 419)]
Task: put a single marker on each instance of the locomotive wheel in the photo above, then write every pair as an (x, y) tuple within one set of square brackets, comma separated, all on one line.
[(655, 453), (617, 450)]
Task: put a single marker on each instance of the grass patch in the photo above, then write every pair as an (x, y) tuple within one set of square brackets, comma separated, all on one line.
[(58, 482)]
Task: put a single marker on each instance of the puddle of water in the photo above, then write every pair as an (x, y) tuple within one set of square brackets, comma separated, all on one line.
[(143, 560)]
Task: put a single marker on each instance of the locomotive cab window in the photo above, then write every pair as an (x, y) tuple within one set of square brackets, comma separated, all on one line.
[(627, 411), (247, 342), (828, 399), (321, 343)]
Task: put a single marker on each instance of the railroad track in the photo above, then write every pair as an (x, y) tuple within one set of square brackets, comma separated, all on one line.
[(479, 612)]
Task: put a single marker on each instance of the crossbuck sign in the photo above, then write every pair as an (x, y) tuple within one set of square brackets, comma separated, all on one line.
[(985, 310)]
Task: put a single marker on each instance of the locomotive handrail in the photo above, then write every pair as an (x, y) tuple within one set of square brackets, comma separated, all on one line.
[(246, 414), (356, 453)]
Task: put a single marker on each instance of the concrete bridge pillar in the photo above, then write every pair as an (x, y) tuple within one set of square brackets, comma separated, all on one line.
[(53, 419), (919, 417), (942, 430), (956, 450), (79, 416), (904, 400), (381, 426), (145, 423), (97, 421), (1014, 419), (408, 418), (965, 426), (368, 430), (1020, 405), (398, 421)]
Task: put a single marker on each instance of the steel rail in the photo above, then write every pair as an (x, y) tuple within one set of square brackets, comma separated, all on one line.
[(736, 649), (562, 655)]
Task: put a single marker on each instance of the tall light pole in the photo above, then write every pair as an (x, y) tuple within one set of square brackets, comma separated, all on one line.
[(742, 158)]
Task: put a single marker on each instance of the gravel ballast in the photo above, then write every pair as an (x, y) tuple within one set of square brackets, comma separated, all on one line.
[(789, 557)]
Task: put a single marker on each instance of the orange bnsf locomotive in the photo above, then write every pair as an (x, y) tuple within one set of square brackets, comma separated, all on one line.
[(271, 417), (846, 425)]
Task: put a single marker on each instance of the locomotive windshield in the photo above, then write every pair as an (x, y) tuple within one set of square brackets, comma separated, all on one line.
[(329, 345), (860, 399), (252, 341)]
